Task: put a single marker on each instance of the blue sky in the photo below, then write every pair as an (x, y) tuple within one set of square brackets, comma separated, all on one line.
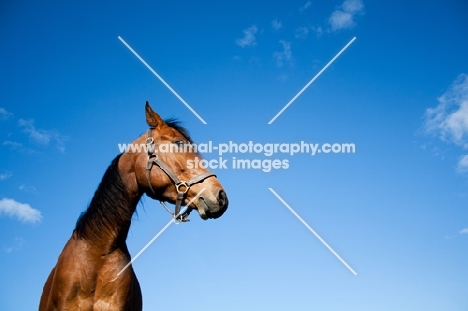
[(395, 210)]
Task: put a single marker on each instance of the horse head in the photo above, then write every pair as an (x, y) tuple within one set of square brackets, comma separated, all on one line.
[(168, 169)]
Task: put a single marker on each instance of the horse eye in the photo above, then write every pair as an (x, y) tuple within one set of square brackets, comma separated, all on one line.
[(179, 143)]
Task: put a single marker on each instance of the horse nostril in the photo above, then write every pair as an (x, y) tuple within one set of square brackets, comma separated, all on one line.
[(222, 199)]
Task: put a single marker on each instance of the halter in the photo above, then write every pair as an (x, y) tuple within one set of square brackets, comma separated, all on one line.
[(182, 186)]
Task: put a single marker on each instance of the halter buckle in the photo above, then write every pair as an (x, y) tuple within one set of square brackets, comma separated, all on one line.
[(184, 185)]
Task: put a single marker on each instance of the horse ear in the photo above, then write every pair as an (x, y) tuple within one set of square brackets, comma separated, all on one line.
[(152, 118)]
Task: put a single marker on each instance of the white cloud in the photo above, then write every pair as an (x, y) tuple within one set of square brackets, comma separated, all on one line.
[(249, 37), (5, 114), (285, 56), (24, 212), (5, 175), (340, 20), (352, 6), (462, 166), (305, 6), (343, 16), (464, 231), (43, 137), (276, 24), (449, 119), (301, 32), (457, 123), (39, 136)]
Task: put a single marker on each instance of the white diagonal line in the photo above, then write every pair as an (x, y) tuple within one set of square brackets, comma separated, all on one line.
[(159, 233), (311, 81), (312, 230), (162, 80)]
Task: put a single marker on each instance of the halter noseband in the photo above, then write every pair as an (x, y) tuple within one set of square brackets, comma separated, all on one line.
[(182, 186)]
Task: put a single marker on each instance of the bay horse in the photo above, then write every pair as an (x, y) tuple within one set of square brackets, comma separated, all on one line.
[(88, 274)]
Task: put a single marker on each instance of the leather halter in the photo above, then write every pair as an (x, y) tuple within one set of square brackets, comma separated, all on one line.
[(182, 186)]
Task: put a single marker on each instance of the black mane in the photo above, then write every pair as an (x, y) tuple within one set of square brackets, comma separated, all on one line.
[(109, 207), (175, 124)]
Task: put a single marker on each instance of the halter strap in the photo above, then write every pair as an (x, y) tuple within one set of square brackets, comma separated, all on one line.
[(182, 187)]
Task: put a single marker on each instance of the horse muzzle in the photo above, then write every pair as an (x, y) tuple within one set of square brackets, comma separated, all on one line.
[(212, 209)]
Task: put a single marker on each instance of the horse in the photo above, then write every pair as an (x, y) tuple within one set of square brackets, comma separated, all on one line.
[(94, 270)]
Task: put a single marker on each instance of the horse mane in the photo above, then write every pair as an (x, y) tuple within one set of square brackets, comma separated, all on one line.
[(175, 124), (108, 206)]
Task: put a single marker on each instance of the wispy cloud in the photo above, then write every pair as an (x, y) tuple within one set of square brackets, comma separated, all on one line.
[(249, 37), (43, 137), (305, 7), (5, 175), (21, 211), (12, 144), (16, 146), (449, 119), (284, 56), (276, 24), (318, 30), (17, 245), (39, 136), (4, 114), (26, 188), (343, 16), (462, 166), (454, 236), (301, 32)]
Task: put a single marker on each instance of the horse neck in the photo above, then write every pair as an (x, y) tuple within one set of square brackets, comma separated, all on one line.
[(107, 220)]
